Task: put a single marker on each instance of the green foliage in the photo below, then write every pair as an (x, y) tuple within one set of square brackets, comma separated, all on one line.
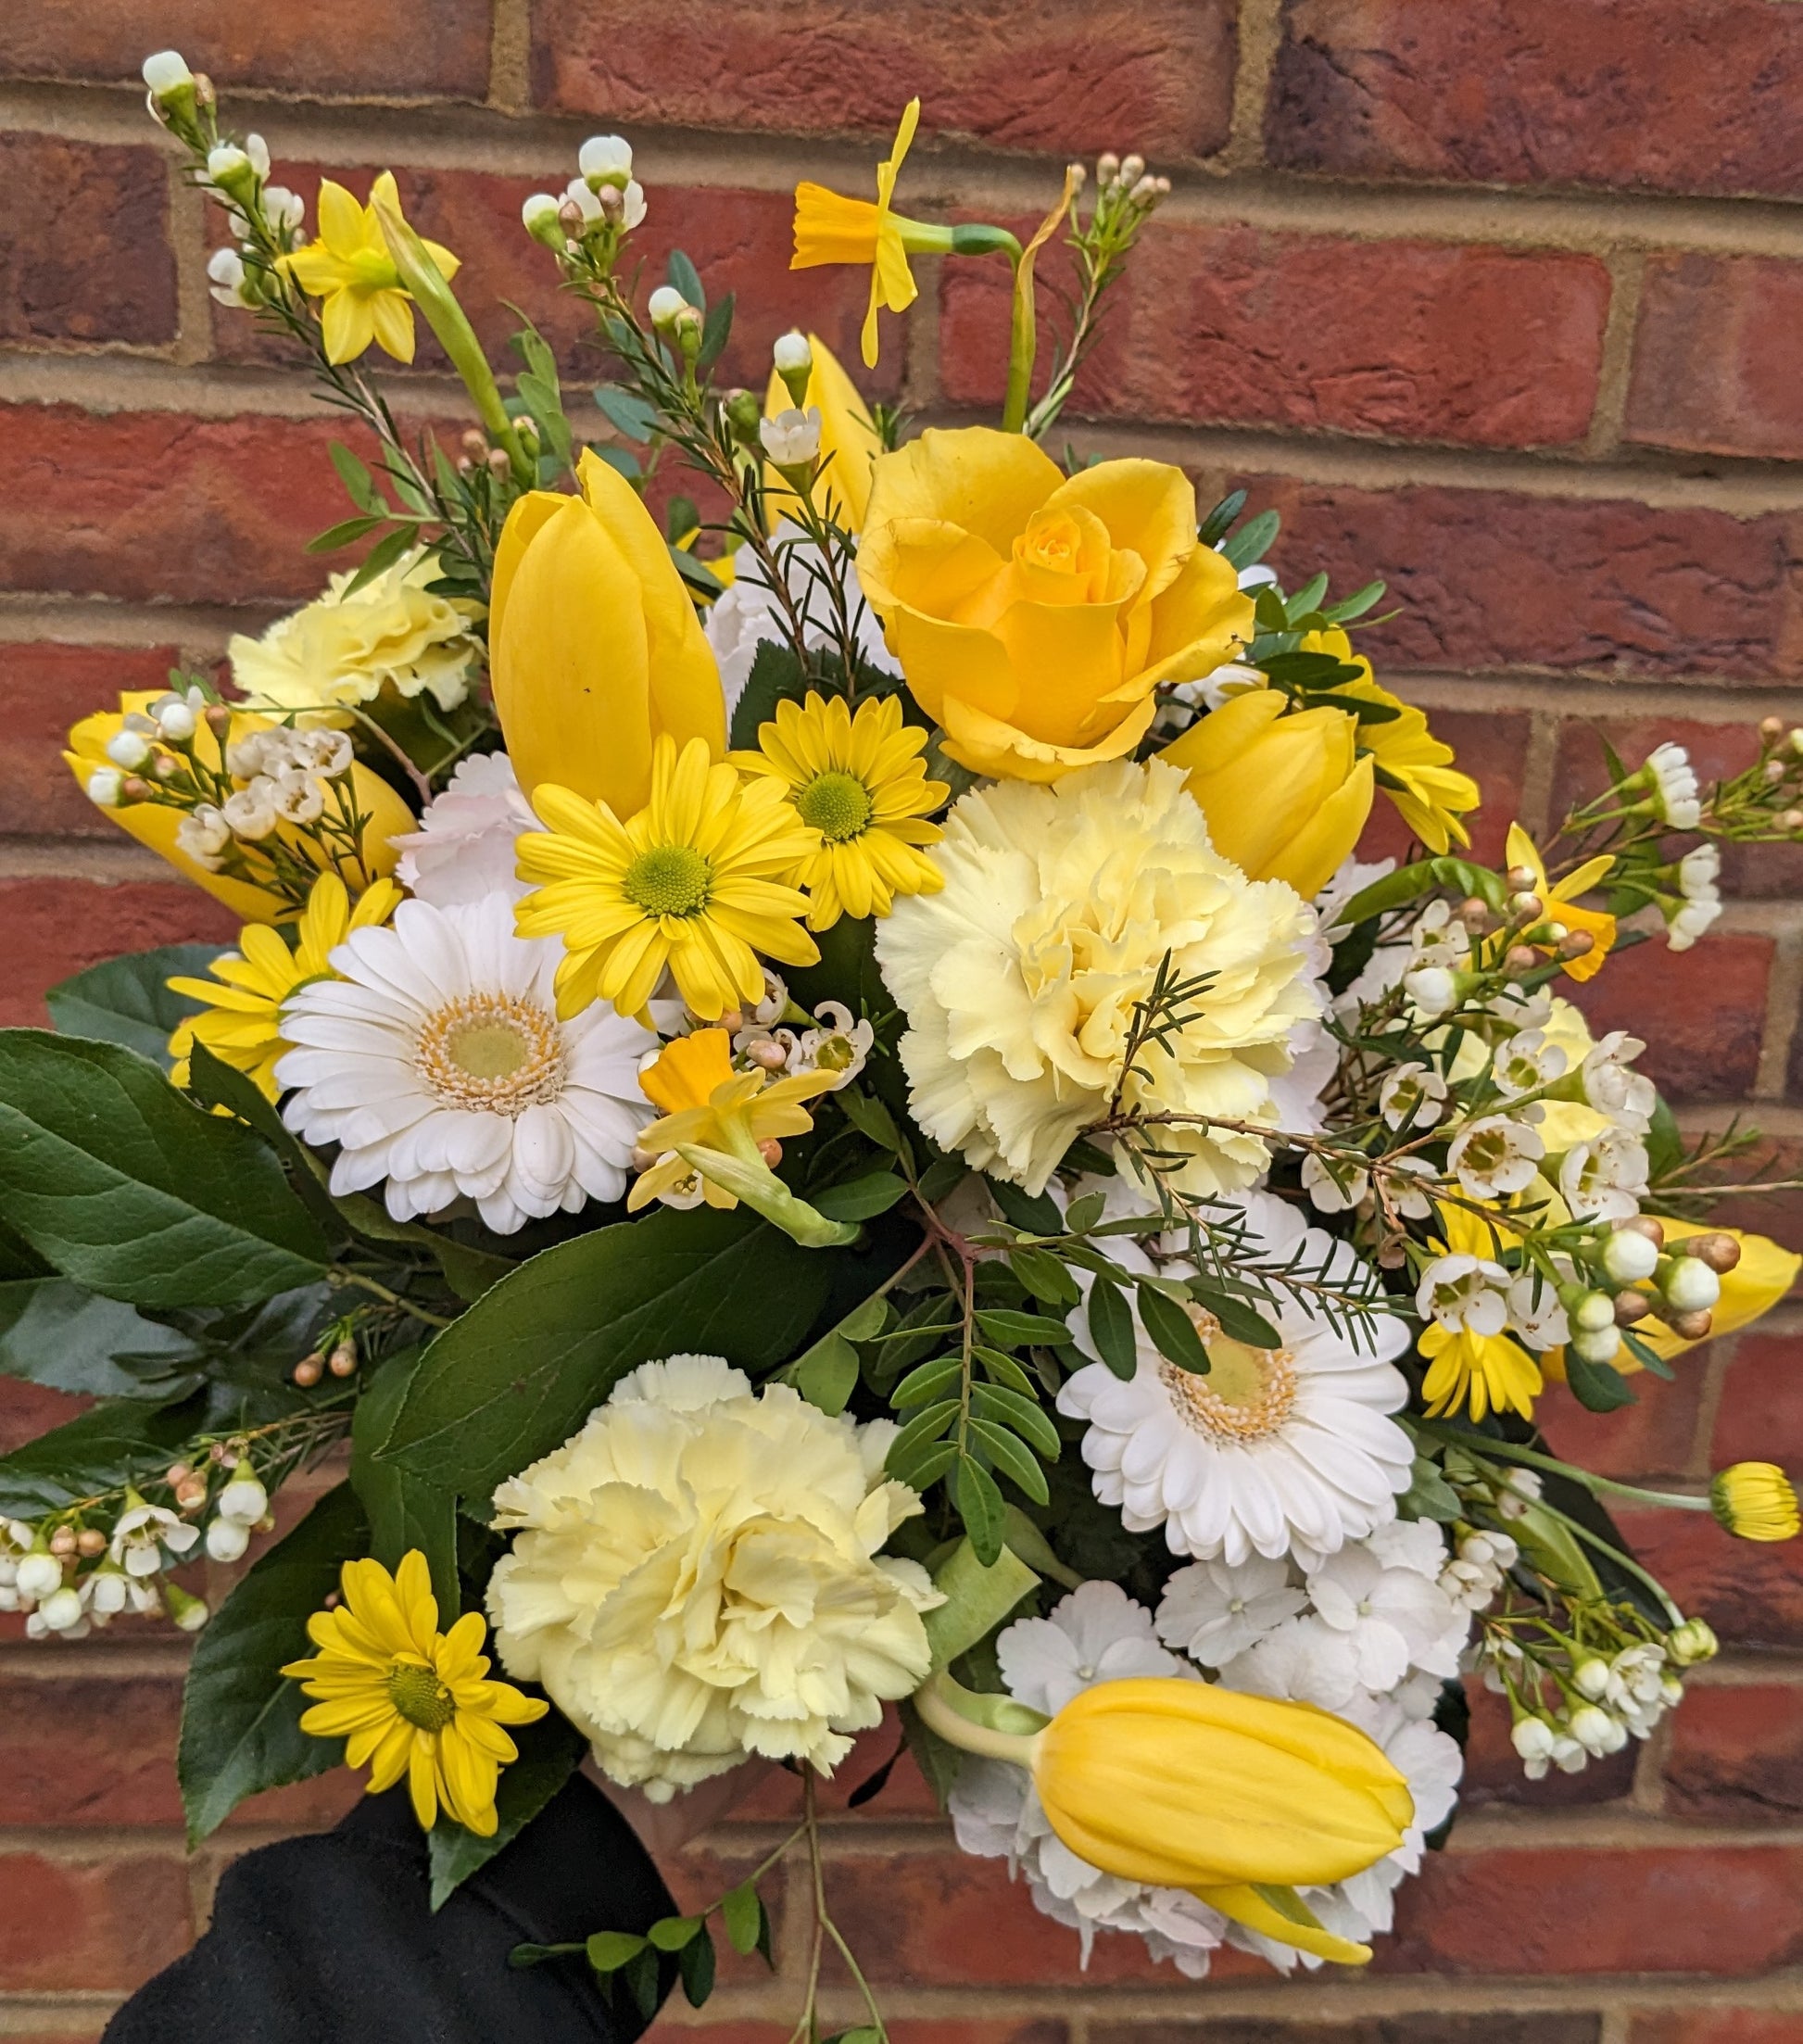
[(122, 1185), (127, 1000), (240, 1715), (403, 1511), (55, 1333), (116, 1444)]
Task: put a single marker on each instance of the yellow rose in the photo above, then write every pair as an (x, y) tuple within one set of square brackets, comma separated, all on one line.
[(155, 824), (1285, 797), (594, 645), (1032, 615), (848, 442)]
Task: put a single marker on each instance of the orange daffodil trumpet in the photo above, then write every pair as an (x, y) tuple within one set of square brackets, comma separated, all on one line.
[(1034, 615)]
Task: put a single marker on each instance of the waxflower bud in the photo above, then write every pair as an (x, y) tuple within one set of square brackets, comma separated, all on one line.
[(39, 1575), (128, 748), (1753, 1500), (1432, 988), (1595, 1311), (226, 1539), (105, 787), (1629, 1256), (541, 216), (61, 1612), (1690, 1285), (1598, 1344), (189, 1612), (232, 170), (1693, 1641), (743, 416), (606, 159), (793, 361), (171, 95), (666, 306), (1534, 1739), (243, 1497)]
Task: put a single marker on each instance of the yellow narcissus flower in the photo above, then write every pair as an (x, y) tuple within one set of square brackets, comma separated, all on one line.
[(708, 1105), (1236, 1798), (859, 782), (595, 647), (1563, 905), (831, 228), (849, 443), (696, 883), (155, 824), (1755, 1501), (408, 1699), (1033, 614), (348, 268), (242, 1025), (1415, 769), (1478, 1373), (1285, 797)]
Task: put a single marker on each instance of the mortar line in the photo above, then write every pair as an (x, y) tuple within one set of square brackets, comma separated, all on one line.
[(1539, 762), (1614, 2028), (1259, 35), (1627, 273), (510, 57), (1783, 996)]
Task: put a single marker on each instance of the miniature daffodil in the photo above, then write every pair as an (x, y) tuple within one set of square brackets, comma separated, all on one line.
[(350, 270)]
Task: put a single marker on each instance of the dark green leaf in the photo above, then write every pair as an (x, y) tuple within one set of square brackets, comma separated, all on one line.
[(516, 1374), (1004, 1369), (96, 1452), (860, 1199), (1012, 1330), (1306, 599), (1111, 1328), (869, 1117), (1044, 1276), (403, 1513), (1084, 1213), (1429, 1496), (240, 1714), (359, 485), (1012, 1457), (1600, 1387), (921, 1431), (1355, 605), (127, 1000), (1665, 1143), (1172, 1330), (981, 1507), (53, 1334), (626, 412), (695, 1963), (929, 1382), (346, 533), (739, 1911), (1031, 1211), (716, 330), (1027, 1414), (382, 557), (549, 1753), (643, 1982), (1220, 522), (127, 1188), (776, 677), (923, 1467)]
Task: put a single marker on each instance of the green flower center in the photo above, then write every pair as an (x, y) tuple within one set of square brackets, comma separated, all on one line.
[(836, 804), (420, 1696), (670, 880)]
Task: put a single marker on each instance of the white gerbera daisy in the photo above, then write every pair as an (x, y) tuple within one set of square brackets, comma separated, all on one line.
[(438, 1063), (1273, 1449)]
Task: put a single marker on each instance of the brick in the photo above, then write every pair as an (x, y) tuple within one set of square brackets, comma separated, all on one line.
[(57, 927), (1715, 356), (1761, 1413), (44, 689), (101, 1920), (1485, 579), (1601, 1910), (739, 242), (1653, 1438), (151, 505), (997, 2030), (1429, 2028), (1063, 76), (1702, 1028), (776, 1797), (1234, 325), (361, 48), (97, 265), (1675, 96), (1716, 2025), (1736, 1751), (28, 1411), (1752, 1594), (1492, 748), (1493, 1768)]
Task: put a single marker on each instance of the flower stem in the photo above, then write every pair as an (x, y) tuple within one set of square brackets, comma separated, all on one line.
[(940, 1713)]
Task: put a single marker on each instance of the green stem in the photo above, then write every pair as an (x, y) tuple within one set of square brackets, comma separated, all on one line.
[(1597, 1485), (1023, 346), (935, 1701), (340, 1276)]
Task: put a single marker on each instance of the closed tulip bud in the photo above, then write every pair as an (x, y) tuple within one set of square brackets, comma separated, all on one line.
[(1285, 796), (596, 649)]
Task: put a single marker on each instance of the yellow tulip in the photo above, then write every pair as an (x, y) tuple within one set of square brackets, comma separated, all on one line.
[(1237, 1798), (849, 444), (1285, 797), (155, 824), (1035, 614), (595, 649)]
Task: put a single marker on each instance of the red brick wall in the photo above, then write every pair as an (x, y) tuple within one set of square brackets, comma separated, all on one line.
[(1500, 301)]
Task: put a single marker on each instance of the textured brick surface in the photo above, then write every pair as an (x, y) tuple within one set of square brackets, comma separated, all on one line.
[(98, 266), (44, 689), (1706, 1043), (1737, 1752), (1679, 95), (58, 927), (1717, 357), (100, 1919), (1057, 76), (1412, 340)]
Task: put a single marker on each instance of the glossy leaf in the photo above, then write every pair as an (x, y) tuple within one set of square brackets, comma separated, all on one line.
[(53, 1334), (127, 1000)]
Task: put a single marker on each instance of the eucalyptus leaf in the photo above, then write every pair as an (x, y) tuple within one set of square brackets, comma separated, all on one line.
[(240, 1714), (130, 1189), (127, 1000)]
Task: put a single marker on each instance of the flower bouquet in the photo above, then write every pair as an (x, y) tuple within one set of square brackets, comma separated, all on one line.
[(814, 1112)]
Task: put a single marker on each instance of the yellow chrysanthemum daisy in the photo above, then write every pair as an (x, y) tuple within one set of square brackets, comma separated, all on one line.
[(348, 268), (708, 1105), (830, 228), (1755, 1501), (408, 1699), (242, 1026), (696, 882), (860, 782), (1415, 769), (1477, 1373)]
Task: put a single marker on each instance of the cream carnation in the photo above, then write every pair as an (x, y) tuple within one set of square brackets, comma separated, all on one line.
[(343, 649), (695, 1578), (1020, 978)]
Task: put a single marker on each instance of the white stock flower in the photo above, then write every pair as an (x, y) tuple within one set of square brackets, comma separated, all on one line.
[(1273, 1448), (1393, 1618), (696, 1577), (438, 1062), (463, 849), (747, 616), (1212, 1612), (1674, 787), (1494, 1156), (1021, 979), (1605, 1178), (1097, 1634), (1698, 872)]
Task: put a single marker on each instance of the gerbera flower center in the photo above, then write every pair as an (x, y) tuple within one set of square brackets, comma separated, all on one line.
[(669, 881), (1247, 1394), (836, 804), (416, 1692), (496, 1052)]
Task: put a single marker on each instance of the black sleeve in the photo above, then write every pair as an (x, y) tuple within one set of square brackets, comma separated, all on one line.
[(330, 1940)]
